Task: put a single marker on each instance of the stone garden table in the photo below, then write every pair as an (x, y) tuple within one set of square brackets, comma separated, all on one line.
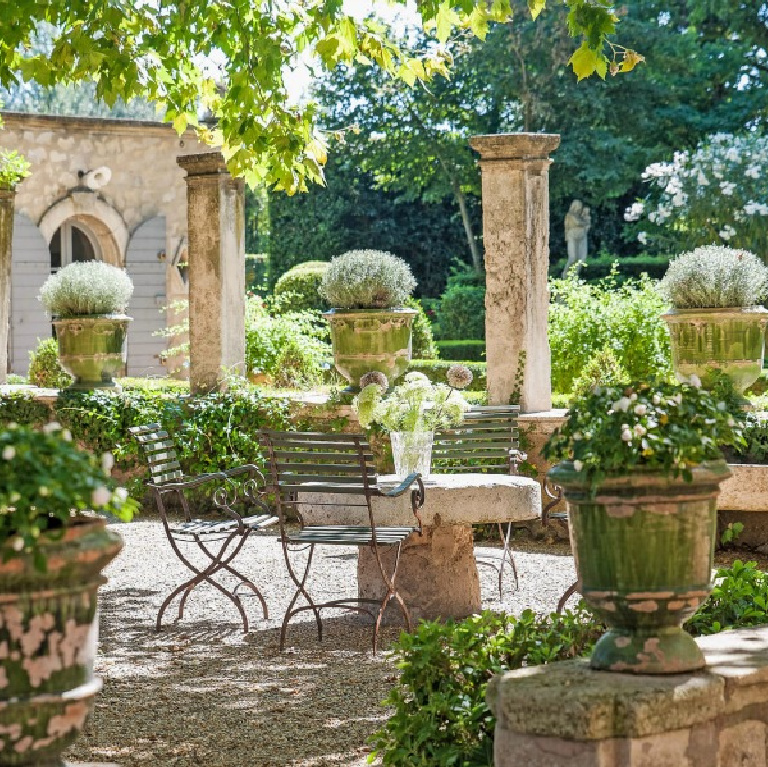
[(438, 575)]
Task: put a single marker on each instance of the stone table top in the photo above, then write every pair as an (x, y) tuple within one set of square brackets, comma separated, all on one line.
[(450, 499)]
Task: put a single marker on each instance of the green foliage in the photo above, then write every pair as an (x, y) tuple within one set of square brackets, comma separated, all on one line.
[(87, 287), (423, 345), (731, 534), (755, 448), (45, 369), (584, 319), (462, 313), (715, 277), (298, 289), (604, 264), (44, 478), (289, 348), (367, 279), (440, 717), (256, 267), (659, 426), (436, 371), (739, 599), (602, 370), (21, 407), (14, 168), (467, 350)]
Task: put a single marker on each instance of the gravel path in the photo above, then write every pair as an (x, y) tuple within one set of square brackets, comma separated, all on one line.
[(200, 693)]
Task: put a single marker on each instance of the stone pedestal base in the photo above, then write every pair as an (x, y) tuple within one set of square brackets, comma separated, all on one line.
[(567, 715), (437, 577)]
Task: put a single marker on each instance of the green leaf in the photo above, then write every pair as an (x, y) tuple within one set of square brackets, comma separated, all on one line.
[(585, 62), (536, 7)]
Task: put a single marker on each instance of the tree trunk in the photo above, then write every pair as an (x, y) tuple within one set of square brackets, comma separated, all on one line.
[(461, 199)]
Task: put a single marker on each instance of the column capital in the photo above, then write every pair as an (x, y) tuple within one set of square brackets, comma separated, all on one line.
[(203, 164), (515, 146)]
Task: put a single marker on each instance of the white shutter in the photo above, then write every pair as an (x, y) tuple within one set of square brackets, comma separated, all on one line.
[(147, 306), (30, 267)]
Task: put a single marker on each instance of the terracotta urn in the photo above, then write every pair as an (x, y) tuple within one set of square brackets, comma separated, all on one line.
[(48, 639), (731, 340), (644, 549), (370, 339), (92, 348)]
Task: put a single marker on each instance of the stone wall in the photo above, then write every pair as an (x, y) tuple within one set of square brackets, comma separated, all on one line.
[(566, 715), (146, 181)]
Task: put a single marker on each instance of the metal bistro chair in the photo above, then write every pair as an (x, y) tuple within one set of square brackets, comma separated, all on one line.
[(306, 466), (229, 535), (487, 442)]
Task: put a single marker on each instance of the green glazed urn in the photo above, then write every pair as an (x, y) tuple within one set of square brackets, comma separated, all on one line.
[(92, 349), (644, 546), (48, 639), (731, 340), (370, 339)]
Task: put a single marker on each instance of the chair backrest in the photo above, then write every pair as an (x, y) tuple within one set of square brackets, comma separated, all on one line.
[(318, 463), (160, 452), (481, 443)]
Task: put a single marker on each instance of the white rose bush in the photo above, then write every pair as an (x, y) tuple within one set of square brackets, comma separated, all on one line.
[(717, 193)]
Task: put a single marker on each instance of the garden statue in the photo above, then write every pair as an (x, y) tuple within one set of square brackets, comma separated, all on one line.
[(577, 223)]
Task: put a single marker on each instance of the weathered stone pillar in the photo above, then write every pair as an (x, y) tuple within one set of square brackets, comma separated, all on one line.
[(515, 169), (216, 221), (7, 198)]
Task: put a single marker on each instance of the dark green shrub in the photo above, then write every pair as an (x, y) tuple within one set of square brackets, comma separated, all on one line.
[(45, 368), (462, 312), (435, 370), (298, 289), (601, 266), (602, 370), (21, 407), (422, 344), (440, 715), (467, 350)]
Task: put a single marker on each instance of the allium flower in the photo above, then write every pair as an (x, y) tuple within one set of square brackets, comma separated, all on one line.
[(101, 496), (578, 465), (459, 376), (641, 409), (374, 377), (626, 435)]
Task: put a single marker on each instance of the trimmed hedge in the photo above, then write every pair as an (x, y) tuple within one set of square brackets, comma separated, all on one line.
[(601, 266), (435, 370), (473, 351), (298, 289)]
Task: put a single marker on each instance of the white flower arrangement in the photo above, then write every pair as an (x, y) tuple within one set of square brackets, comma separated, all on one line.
[(87, 288), (415, 405)]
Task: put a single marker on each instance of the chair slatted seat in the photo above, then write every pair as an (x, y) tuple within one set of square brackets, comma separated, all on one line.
[(487, 441), (318, 469), (242, 484)]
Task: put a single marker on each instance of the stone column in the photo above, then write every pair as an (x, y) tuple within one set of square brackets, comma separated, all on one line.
[(515, 170), (7, 197), (216, 221)]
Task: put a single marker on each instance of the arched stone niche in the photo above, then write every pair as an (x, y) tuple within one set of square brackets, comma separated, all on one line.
[(101, 220)]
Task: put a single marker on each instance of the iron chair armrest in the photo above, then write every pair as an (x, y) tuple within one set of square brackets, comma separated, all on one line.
[(219, 498), (417, 494)]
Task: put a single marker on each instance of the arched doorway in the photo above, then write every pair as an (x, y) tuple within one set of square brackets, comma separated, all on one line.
[(73, 241)]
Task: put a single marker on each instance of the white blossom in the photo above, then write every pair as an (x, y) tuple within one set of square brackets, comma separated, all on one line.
[(18, 544), (727, 232), (51, 427), (641, 409), (101, 496), (694, 380), (578, 465), (626, 435), (634, 211), (107, 462), (9, 452), (622, 404), (640, 430)]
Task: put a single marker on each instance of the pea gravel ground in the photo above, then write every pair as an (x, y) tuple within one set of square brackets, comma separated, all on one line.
[(202, 693)]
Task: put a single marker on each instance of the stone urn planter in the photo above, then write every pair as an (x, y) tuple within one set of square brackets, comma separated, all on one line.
[(92, 349), (731, 340), (370, 339), (48, 639), (644, 545)]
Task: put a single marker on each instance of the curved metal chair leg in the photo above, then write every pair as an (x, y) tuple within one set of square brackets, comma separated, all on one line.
[(300, 590), (572, 589)]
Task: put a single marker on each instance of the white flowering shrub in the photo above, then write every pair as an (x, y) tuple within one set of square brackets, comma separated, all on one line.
[(88, 287), (717, 193), (713, 277), (367, 279)]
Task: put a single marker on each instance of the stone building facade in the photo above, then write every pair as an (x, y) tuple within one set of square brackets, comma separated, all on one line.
[(104, 189)]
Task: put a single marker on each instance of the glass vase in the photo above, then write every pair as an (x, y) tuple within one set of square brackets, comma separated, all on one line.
[(412, 452)]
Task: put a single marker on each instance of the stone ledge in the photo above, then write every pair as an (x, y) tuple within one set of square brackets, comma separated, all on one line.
[(570, 701)]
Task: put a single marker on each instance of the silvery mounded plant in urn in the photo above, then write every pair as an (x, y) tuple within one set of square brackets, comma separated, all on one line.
[(641, 469), (52, 550), (87, 301), (717, 322), (370, 328)]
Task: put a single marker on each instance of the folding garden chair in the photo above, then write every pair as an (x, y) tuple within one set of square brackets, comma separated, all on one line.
[(219, 540), (319, 469), (487, 442)]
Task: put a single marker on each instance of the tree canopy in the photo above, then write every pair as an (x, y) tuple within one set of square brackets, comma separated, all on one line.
[(164, 51)]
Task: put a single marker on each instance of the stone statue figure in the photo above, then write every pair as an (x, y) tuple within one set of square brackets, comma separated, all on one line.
[(577, 223)]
